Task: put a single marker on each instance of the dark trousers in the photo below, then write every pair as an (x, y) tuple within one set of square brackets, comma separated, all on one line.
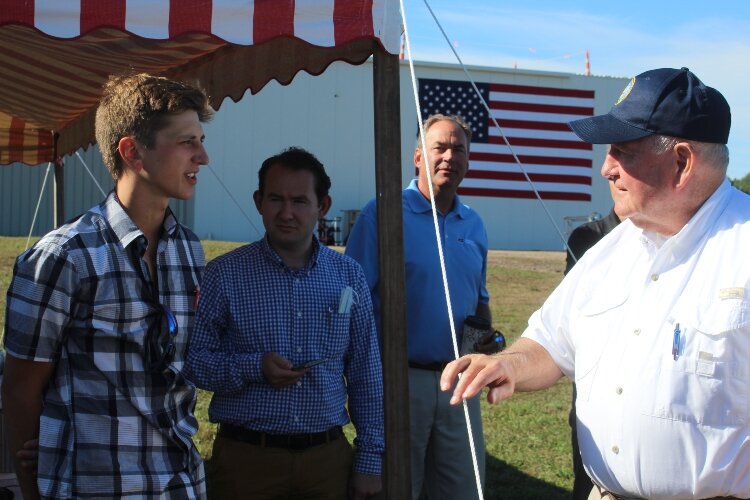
[(241, 470)]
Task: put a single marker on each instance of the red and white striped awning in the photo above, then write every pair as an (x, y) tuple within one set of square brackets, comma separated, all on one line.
[(56, 54)]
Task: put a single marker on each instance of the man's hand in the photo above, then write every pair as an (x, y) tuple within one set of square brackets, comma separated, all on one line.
[(524, 366), (362, 486), (278, 370), (478, 371), (28, 455), (23, 386)]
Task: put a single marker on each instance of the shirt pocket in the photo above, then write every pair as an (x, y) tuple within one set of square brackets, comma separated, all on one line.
[(708, 382), (592, 330), (336, 335)]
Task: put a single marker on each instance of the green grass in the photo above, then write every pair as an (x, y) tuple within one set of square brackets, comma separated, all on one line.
[(527, 437)]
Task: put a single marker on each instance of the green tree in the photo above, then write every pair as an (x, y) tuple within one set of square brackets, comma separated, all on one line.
[(743, 184)]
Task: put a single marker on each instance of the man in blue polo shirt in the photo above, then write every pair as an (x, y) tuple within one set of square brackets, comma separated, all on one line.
[(440, 450)]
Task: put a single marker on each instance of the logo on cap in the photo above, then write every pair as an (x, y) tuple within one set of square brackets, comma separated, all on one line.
[(626, 91)]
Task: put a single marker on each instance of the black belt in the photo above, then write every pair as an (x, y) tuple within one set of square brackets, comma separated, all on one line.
[(288, 441), (437, 366)]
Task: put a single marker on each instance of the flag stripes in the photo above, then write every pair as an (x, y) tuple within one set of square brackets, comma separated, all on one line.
[(534, 121)]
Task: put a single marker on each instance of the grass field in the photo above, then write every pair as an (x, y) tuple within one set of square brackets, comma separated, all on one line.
[(527, 437)]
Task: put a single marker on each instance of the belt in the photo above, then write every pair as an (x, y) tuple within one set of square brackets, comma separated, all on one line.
[(288, 441), (436, 366)]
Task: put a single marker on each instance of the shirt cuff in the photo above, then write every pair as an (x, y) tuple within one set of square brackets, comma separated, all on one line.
[(368, 462), (253, 367)]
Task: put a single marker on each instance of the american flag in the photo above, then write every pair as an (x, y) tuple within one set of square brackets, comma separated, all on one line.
[(534, 120)]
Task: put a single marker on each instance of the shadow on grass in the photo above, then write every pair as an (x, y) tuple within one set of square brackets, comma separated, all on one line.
[(505, 482)]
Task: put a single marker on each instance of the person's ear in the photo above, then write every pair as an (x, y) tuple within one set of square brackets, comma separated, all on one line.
[(418, 158), (258, 198), (684, 158), (324, 206), (131, 156)]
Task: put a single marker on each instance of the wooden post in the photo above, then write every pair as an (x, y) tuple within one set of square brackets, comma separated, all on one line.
[(396, 466)]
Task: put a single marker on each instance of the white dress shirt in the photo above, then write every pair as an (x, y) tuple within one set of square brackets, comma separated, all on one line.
[(652, 424)]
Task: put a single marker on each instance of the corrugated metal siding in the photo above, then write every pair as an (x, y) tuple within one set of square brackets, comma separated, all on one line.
[(20, 187), (332, 116)]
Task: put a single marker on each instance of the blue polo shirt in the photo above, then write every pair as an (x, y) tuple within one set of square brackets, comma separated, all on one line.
[(464, 241)]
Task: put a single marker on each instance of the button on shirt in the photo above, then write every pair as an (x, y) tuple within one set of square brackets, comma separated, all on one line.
[(464, 240), (252, 304), (82, 298), (652, 424)]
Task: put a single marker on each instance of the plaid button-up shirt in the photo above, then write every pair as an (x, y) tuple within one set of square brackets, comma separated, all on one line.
[(83, 299)]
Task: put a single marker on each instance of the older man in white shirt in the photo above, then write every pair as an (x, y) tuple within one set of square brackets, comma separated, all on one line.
[(653, 323)]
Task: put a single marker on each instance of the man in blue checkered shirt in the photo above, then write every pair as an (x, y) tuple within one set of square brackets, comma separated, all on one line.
[(99, 310), (285, 338)]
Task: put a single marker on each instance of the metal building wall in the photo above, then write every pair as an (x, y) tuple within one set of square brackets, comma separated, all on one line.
[(21, 185), (331, 115)]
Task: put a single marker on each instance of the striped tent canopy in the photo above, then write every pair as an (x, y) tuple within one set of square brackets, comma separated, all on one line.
[(56, 54)]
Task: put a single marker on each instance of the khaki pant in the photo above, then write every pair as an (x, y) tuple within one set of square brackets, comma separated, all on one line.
[(599, 494), (239, 470)]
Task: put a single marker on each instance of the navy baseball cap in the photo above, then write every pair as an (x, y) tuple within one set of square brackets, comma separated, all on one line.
[(664, 101)]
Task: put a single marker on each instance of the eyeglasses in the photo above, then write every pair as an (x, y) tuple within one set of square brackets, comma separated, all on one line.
[(160, 347)]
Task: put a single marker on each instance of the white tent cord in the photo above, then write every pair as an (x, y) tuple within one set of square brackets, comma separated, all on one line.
[(260, 234), (494, 121), (38, 202), (90, 173), (438, 239)]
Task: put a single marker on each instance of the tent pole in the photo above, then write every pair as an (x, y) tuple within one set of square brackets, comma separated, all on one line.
[(396, 464), (58, 188)]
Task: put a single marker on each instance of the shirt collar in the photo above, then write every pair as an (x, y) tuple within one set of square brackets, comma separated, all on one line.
[(682, 244), (124, 227), (274, 258), (419, 204)]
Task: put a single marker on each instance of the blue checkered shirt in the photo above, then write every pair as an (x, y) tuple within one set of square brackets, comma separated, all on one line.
[(251, 304), (83, 299)]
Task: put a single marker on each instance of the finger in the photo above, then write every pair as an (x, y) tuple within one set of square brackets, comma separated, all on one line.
[(488, 373), (485, 370), (28, 464), (31, 444), (467, 378), (499, 393), (26, 454), (281, 362), (451, 371)]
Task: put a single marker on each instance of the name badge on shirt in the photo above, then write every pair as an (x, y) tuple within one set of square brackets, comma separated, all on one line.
[(736, 292)]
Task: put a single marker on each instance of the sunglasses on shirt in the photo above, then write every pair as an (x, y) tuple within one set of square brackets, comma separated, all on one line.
[(160, 346)]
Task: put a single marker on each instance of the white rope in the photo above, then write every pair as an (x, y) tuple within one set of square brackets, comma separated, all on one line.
[(38, 202), (428, 173), (502, 133), (235, 202), (90, 173)]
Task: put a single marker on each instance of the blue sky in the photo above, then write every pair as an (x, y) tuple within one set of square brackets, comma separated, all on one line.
[(623, 39)]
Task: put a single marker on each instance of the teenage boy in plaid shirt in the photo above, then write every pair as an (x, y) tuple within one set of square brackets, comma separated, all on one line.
[(99, 310)]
